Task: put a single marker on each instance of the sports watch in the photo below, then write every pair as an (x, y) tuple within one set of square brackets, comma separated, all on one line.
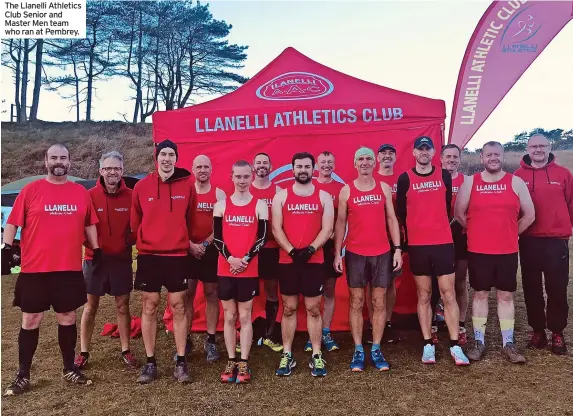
[(397, 247), (311, 249)]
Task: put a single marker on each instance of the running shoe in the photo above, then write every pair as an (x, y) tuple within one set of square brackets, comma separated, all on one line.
[(558, 345), (76, 377), (357, 363), (129, 360), (477, 351), (229, 374), (317, 365), (459, 356), (243, 373), (379, 361), (308, 346), (429, 354), (329, 343), (19, 385), (390, 336), (181, 373), (462, 336), (148, 374), (512, 355), (274, 346), (538, 340), (81, 362), (435, 339), (286, 365), (211, 352)]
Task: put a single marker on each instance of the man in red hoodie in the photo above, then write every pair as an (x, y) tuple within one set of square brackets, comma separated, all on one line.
[(543, 247), (114, 275), (161, 214)]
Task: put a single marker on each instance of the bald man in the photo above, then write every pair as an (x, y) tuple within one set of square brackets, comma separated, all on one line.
[(203, 254)]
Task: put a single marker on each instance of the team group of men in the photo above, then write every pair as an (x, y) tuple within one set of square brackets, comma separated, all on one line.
[(298, 240)]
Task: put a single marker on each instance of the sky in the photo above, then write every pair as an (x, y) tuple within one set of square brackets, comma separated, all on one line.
[(416, 47)]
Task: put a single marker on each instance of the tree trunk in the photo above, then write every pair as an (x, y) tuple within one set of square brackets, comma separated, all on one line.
[(90, 77), (23, 92), (17, 63), (139, 93), (37, 80)]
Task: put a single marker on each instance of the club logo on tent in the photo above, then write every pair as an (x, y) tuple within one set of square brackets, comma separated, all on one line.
[(295, 86)]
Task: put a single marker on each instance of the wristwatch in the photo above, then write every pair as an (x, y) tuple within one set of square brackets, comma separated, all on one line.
[(205, 244), (311, 249), (246, 258), (397, 247)]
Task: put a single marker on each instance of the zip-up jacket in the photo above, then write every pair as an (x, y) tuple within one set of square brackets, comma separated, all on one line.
[(551, 188), (113, 230), (161, 213)]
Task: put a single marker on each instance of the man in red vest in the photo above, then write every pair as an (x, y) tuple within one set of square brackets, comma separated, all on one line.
[(495, 207), (424, 202), (303, 217)]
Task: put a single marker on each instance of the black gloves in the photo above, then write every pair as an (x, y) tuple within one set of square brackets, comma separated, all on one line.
[(12, 254), (97, 257), (301, 255)]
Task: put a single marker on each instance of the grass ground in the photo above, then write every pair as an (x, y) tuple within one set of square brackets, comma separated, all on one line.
[(544, 386)]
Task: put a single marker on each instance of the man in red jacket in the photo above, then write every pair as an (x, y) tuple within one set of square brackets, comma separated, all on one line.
[(161, 217), (543, 247), (114, 276)]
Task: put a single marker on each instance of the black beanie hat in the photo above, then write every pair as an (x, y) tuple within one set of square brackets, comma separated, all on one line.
[(166, 143)]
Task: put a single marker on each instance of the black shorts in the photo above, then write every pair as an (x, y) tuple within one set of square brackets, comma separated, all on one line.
[(114, 276), (153, 272), (301, 279), (493, 270), (461, 246), (328, 250), (364, 270), (37, 292), (240, 289), (432, 260), (269, 263), (205, 268)]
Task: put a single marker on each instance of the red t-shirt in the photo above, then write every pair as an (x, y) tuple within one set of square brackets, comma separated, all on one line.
[(267, 195), (202, 218), (239, 234), (302, 222), (53, 218), (493, 213), (367, 221), (427, 220)]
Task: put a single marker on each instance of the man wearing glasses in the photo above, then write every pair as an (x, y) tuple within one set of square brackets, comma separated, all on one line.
[(112, 201), (543, 247)]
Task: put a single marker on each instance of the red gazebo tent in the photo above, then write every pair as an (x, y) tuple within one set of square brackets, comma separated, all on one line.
[(296, 104)]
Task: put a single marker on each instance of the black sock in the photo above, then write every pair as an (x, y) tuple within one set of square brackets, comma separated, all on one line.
[(67, 338), (453, 342), (180, 359), (428, 342), (124, 353), (210, 338), (462, 324), (27, 344), (151, 360), (243, 360), (86, 355), (271, 308)]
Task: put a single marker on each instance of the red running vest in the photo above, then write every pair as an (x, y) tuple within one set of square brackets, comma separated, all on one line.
[(202, 219), (427, 220), (240, 225), (391, 181), (267, 195), (302, 222), (456, 185), (367, 235), (492, 216), (333, 189)]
